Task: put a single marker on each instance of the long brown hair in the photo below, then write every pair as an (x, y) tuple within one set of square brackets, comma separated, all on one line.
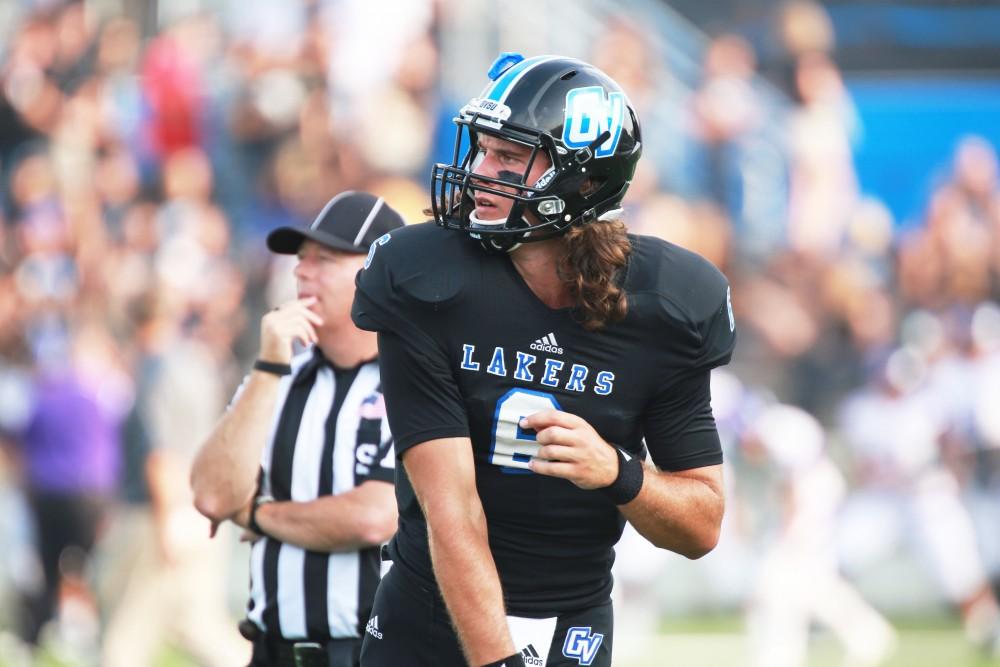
[(594, 257)]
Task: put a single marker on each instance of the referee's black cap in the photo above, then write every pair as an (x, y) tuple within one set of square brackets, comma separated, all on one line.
[(351, 221)]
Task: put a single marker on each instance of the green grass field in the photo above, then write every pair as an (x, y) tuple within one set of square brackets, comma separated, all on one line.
[(927, 648), (719, 642)]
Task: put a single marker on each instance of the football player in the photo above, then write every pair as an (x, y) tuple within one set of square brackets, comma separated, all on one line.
[(530, 346), (798, 581)]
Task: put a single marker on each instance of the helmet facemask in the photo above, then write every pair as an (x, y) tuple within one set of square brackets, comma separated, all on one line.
[(456, 186)]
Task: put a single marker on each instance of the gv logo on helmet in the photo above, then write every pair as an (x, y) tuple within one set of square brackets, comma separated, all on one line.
[(588, 114)]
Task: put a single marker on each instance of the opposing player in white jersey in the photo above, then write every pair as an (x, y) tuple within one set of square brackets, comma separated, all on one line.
[(799, 581), (894, 429)]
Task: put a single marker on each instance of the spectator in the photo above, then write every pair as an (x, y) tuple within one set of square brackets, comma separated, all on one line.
[(173, 574), (71, 453)]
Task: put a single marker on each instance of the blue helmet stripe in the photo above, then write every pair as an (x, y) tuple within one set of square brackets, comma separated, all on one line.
[(502, 85)]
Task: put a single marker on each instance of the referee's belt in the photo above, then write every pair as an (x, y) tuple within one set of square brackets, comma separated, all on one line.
[(290, 652)]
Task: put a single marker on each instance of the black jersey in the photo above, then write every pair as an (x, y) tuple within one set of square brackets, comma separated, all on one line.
[(467, 349)]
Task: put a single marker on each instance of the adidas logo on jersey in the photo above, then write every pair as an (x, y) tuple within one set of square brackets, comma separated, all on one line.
[(547, 343), (531, 657), (372, 627)]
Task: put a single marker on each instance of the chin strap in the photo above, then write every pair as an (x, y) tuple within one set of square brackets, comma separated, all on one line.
[(496, 244), (506, 244)]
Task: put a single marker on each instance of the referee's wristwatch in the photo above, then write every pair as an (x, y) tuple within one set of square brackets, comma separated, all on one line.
[(257, 502), (274, 368)]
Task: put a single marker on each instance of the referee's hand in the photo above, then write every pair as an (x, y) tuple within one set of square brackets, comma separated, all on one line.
[(285, 324)]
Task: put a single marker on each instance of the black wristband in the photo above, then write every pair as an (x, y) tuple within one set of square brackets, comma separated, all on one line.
[(252, 521), (516, 660), (272, 367), (629, 481)]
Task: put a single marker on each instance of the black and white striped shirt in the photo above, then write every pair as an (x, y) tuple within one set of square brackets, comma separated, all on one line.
[(328, 435)]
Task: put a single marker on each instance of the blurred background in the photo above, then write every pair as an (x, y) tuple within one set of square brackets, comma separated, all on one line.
[(838, 160)]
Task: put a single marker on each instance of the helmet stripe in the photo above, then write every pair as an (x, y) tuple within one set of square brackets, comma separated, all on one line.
[(505, 83)]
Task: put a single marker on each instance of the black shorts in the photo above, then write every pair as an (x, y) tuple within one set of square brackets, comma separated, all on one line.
[(409, 627)]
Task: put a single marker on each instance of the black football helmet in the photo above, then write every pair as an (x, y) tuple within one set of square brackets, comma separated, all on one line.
[(565, 108)]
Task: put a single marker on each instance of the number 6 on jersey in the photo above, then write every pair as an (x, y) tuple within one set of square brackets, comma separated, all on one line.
[(513, 446)]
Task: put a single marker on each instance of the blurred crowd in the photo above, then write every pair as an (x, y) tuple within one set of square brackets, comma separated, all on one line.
[(140, 169)]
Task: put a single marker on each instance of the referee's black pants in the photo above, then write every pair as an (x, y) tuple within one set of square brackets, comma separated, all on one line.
[(410, 627)]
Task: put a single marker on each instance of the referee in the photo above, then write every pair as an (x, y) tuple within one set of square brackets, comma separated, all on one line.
[(303, 458)]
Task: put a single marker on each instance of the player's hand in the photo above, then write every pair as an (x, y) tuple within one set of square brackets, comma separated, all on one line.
[(571, 449), (285, 324)]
